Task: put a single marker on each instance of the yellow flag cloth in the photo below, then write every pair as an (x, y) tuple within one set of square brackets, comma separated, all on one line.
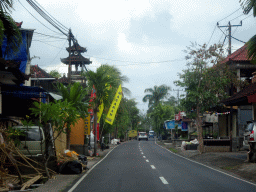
[(114, 106), (87, 125), (101, 107)]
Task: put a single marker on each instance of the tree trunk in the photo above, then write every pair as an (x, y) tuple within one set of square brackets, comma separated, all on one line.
[(95, 129), (199, 130), (68, 136)]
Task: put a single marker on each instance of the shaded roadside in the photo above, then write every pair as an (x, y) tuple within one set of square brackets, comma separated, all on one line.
[(234, 163), (62, 182)]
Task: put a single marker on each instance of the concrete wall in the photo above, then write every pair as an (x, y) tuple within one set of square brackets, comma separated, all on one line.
[(60, 143)]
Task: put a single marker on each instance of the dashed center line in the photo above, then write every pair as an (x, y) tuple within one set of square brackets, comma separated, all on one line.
[(144, 156), (163, 180), (153, 167), (142, 153), (147, 160)]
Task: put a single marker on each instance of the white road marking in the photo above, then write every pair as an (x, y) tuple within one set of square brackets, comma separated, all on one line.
[(147, 160), (163, 180), (142, 153), (207, 166), (81, 179), (144, 156), (153, 167)]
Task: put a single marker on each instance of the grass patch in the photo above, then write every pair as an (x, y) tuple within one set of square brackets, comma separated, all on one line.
[(228, 168), (173, 150)]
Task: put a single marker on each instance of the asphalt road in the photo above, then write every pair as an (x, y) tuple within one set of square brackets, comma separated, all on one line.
[(145, 166)]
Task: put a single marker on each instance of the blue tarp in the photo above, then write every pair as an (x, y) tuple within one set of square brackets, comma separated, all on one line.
[(23, 92), (21, 55)]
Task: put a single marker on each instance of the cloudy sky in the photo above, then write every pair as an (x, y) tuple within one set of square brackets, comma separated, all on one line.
[(144, 39)]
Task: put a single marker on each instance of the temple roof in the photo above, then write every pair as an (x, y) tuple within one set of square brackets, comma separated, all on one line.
[(76, 59), (77, 47)]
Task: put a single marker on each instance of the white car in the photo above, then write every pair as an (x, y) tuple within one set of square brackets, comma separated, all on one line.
[(250, 135), (143, 136)]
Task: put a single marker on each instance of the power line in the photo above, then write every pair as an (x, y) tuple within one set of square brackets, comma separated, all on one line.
[(58, 53), (37, 19), (50, 15), (139, 62), (237, 17), (50, 45), (211, 36), (49, 35), (46, 17), (230, 14)]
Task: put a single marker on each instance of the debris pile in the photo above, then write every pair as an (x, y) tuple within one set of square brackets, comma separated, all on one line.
[(17, 171)]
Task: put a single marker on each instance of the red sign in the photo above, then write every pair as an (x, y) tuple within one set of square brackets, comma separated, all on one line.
[(177, 117)]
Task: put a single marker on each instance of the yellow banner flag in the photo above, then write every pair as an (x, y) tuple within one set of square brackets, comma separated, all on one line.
[(87, 125), (101, 107), (114, 106)]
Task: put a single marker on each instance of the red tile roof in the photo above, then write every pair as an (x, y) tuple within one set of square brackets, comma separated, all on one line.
[(37, 72), (241, 95), (238, 56), (19, 24)]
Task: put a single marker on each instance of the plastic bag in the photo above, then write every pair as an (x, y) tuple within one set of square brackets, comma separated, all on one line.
[(71, 167), (195, 141), (183, 145)]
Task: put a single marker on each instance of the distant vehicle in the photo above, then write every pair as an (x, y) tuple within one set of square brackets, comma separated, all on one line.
[(250, 135), (151, 134), (143, 136), (132, 134)]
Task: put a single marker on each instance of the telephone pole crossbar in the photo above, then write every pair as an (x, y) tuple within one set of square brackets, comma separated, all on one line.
[(229, 34)]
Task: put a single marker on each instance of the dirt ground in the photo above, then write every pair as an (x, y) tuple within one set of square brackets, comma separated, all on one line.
[(234, 163)]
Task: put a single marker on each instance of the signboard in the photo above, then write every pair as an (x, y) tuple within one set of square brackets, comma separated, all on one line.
[(179, 125), (87, 125), (184, 126), (177, 117), (170, 124)]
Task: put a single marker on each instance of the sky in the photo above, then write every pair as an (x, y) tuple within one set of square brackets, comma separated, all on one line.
[(144, 39)]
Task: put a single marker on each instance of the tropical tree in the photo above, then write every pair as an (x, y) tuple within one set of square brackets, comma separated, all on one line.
[(101, 81), (247, 6), (74, 94), (155, 95), (8, 28), (205, 81), (55, 74)]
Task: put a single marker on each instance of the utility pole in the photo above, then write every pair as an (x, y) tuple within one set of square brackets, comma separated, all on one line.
[(69, 65), (178, 90), (231, 91), (229, 34)]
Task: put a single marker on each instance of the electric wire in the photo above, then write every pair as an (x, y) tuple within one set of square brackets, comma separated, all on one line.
[(237, 17), (49, 35), (46, 17), (50, 44), (36, 18), (230, 14), (211, 36), (50, 15), (58, 52)]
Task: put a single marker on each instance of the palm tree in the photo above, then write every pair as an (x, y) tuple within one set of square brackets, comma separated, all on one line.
[(74, 94), (155, 95), (100, 81), (8, 28), (247, 6)]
